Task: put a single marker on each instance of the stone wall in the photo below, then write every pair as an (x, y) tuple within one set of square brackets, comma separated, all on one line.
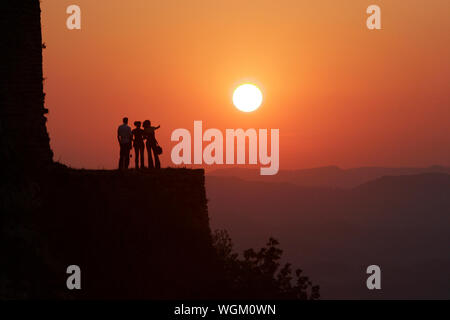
[(23, 133)]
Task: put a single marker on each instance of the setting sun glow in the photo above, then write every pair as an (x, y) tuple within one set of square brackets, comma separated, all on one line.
[(247, 97)]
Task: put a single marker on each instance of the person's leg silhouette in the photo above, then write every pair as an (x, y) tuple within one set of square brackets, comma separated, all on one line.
[(149, 155), (127, 156), (122, 158), (157, 163), (120, 161), (136, 157), (141, 153)]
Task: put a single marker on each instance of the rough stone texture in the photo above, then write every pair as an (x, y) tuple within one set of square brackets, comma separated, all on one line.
[(23, 133)]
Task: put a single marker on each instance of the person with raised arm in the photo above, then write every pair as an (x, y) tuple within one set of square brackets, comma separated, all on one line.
[(152, 145)]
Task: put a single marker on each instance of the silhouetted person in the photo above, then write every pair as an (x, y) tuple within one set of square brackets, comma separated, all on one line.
[(124, 136), (138, 144), (151, 144)]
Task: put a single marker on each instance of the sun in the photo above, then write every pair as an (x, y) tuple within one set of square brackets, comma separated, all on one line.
[(247, 97)]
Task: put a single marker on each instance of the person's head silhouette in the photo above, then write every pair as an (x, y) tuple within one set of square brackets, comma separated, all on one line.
[(147, 124), (137, 124), (125, 120)]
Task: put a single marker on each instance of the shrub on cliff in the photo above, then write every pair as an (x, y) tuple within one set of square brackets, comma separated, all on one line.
[(259, 274)]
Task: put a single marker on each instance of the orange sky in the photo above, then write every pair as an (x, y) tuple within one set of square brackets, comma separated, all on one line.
[(339, 93)]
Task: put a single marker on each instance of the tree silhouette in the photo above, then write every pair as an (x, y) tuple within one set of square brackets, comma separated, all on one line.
[(259, 274)]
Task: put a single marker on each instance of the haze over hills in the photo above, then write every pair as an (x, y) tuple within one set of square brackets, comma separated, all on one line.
[(331, 176), (400, 223)]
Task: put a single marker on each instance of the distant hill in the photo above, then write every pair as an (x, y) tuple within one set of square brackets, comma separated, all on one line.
[(401, 223), (331, 176)]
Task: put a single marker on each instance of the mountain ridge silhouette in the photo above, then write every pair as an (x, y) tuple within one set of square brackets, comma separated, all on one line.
[(328, 176)]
